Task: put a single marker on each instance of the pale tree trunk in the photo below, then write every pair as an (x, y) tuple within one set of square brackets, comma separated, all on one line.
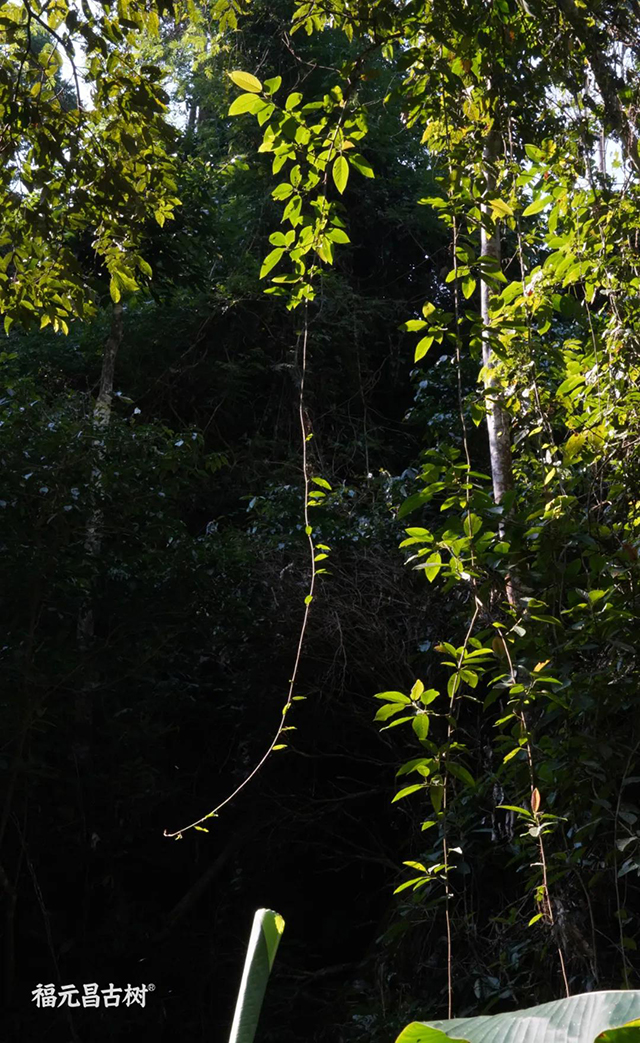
[(498, 422), (498, 419), (193, 115), (602, 153), (93, 535)]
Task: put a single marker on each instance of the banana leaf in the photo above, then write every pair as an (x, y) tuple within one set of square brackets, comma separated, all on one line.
[(263, 943), (578, 1019)]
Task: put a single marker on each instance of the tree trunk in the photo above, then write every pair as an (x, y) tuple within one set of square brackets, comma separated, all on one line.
[(93, 535), (498, 419), (498, 422), (193, 114)]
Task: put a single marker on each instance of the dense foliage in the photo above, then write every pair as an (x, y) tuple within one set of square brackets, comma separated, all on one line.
[(441, 202)]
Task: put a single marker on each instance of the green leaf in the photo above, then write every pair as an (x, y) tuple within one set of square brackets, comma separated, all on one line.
[(245, 103), (361, 164), (420, 725), (271, 261), (534, 153), (578, 271), (433, 565), (291, 211), (472, 524), (570, 384), (273, 85), (411, 503), (627, 1034), (322, 482), (595, 595), (422, 348), (340, 173), (574, 445), (282, 191), (416, 691), (394, 697), (512, 753), (537, 206), (419, 1033), (292, 101), (578, 1019), (417, 762), (436, 792), (460, 772), (478, 413), (429, 696), (385, 712), (499, 206), (408, 883), (407, 790), (263, 944), (125, 279), (453, 684), (468, 286), (324, 250), (114, 290), (398, 720), (246, 81)]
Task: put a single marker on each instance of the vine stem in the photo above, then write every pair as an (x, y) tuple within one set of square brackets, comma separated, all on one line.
[(303, 343), (305, 435), (543, 858)]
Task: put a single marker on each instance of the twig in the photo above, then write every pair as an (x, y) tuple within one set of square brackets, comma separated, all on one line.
[(66, 47), (308, 599)]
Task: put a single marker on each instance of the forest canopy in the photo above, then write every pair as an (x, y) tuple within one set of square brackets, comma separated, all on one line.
[(319, 419)]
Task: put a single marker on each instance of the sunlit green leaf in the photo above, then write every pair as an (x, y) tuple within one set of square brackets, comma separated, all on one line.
[(246, 81)]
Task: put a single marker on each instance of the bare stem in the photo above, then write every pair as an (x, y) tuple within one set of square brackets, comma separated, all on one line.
[(308, 599)]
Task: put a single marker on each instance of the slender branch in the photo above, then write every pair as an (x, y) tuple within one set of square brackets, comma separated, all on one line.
[(25, 54), (548, 907), (67, 48), (304, 434)]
